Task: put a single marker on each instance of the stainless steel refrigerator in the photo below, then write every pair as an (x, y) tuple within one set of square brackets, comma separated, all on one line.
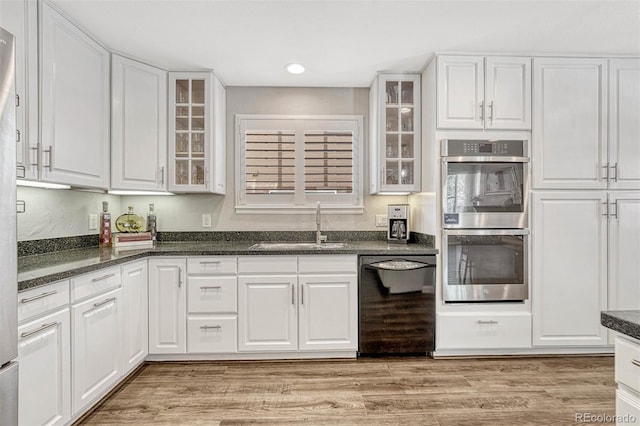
[(8, 247)]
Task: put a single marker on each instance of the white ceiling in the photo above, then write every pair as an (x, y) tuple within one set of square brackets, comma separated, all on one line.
[(344, 43)]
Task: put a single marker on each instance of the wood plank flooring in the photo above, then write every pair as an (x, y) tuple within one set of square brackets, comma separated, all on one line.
[(368, 391)]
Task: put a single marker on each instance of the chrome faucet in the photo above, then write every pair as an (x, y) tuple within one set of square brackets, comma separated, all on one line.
[(319, 237)]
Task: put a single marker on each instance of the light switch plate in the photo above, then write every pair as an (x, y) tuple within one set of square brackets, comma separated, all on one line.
[(206, 220), (381, 220), (93, 222)]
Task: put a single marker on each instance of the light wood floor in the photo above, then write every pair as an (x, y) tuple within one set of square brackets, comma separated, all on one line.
[(387, 391)]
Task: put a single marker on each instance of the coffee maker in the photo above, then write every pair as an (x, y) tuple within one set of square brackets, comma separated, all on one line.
[(398, 223)]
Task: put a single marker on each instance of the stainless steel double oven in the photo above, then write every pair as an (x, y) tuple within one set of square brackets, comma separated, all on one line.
[(485, 186)]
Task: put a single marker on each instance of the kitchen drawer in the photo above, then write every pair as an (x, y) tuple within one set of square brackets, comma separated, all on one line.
[(94, 283), (223, 265), (212, 295), (627, 407), (43, 299), (328, 264), (212, 334), (483, 331), (628, 363), (251, 265)]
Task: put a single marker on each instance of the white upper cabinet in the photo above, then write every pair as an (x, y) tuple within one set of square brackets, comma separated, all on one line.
[(196, 133), (478, 93), (395, 133), (624, 123), (569, 142), (20, 18), (75, 104), (138, 125)]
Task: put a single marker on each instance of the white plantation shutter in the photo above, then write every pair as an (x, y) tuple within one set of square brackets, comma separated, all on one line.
[(291, 162)]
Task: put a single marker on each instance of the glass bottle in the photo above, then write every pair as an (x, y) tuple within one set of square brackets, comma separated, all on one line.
[(105, 226), (151, 222)]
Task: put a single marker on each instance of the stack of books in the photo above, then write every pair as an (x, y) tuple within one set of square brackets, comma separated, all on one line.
[(133, 241)]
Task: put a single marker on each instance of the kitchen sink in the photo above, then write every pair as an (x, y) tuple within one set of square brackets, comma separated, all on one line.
[(295, 246)]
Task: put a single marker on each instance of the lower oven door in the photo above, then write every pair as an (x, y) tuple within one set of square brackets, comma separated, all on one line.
[(486, 265)]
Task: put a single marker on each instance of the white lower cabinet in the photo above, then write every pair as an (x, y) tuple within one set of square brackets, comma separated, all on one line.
[(627, 374), (45, 371), (212, 334), (167, 306), (470, 330), (290, 303), (96, 347), (136, 314)]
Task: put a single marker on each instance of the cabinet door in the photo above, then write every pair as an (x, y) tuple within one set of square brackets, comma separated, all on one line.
[(267, 313), (138, 126), (569, 273), (96, 348), (167, 306), (460, 92), (569, 146), (624, 248), (74, 104), (135, 318), (44, 377), (20, 19), (508, 93), (328, 312), (624, 122)]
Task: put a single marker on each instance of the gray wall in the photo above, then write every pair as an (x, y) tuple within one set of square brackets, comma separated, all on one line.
[(53, 213)]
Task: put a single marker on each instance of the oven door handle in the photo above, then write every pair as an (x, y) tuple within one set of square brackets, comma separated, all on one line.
[(485, 232), (488, 159), (400, 269)]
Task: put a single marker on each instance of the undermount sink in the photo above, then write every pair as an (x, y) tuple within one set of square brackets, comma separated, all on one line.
[(295, 246)]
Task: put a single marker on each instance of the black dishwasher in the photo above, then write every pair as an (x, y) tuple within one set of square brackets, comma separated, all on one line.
[(396, 305)]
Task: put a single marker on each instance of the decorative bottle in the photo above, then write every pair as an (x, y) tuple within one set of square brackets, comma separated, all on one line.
[(151, 222), (105, 226)]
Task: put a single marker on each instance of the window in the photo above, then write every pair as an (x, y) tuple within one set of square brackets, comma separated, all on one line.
[(286, 163)]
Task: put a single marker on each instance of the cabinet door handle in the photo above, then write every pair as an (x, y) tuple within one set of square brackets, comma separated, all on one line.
[(179, 277), (481, 110), (17, 100), (104, 302), (50, 155), (38, 330), (293, 295), (21, 206), (214, 287), (492, 322), (102, 278), (615, 212), (606, 209), (615, 169), (302, 294), (18, 136), (210, 327), (22, 168), (162, 175), (34, 155), (40, 296), (606, 172), (491, 111), (635, 362)]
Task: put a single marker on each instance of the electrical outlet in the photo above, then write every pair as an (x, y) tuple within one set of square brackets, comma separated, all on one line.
[(93, 222), (381, 220), (206, 220)]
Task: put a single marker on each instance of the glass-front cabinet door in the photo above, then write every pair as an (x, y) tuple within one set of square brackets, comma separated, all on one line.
[(395, 133), (196, 132)]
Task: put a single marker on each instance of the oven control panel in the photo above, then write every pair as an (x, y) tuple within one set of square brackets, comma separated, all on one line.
[(479, 148)]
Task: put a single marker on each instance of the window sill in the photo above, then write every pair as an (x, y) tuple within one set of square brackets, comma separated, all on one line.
[(311, 209)]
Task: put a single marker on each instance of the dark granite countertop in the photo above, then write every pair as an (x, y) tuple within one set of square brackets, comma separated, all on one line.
[(625, 322), (37, 270)]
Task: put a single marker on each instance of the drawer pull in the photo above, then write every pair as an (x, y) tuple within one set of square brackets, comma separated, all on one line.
[(38, 330), (104, 302), (213, 287), (492, 322), (40, 296), (635, 362), (104, 277), (210, 262), (210, 327)]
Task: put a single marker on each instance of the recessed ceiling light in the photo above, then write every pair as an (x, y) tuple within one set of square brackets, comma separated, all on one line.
[(294, 68)]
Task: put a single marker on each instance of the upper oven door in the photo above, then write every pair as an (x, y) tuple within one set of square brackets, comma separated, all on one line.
[(478, 193)]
